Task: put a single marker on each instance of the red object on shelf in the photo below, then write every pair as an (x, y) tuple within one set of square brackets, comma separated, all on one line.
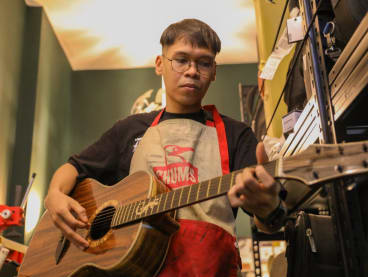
[(15, 256), (10, 216)]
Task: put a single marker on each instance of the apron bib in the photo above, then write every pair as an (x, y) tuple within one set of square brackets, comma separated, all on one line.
[(183, 152)]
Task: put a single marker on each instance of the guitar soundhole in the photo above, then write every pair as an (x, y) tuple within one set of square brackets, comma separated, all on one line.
[(102, 223)]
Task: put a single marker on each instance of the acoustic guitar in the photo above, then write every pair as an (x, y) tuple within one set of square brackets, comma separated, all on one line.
[(131, 223)]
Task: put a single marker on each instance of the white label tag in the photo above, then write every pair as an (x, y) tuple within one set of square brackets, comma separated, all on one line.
[(282, 49), (270, 68), (295, 29), (289, 121)]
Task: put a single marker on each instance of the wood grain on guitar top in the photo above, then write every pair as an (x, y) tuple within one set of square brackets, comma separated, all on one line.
[(134, 250)]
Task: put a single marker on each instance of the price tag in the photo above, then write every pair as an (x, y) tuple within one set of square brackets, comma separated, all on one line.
[(295, 29)]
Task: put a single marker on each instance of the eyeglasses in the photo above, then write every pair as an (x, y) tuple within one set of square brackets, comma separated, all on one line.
[(182, 64)]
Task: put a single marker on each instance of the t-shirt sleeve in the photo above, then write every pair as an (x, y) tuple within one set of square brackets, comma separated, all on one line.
[(245, 154), (108, 159), (99, 160), (242, 144)]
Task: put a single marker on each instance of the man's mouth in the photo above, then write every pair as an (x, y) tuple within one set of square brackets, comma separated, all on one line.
[(190, 85)]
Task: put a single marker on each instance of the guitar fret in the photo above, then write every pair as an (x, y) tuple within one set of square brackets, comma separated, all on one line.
[(132, 211), (172, 199), (177, 197), (219, 185), (208, 187), (143, 204), (169, 198), (167, 195), (181, 193), (231, 180), (199, 187), (190, 190), (202, 191), (225, 181), (195, 191), (161, 204), (185, 196)]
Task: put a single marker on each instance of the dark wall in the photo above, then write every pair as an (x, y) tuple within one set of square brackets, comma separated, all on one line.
[(99, 98), (12, 13), (19, 40), (224, 91), (52, 116), (19, 173)]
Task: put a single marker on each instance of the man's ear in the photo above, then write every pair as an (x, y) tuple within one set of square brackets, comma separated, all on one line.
[(159, 65)]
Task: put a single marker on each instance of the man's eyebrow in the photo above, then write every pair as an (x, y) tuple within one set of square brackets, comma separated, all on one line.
[(181, 53), (187, 55)]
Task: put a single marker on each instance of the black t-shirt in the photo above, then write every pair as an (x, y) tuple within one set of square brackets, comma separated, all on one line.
[(108, 159)]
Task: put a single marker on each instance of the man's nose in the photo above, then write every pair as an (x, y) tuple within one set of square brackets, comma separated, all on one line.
[(192, 69)]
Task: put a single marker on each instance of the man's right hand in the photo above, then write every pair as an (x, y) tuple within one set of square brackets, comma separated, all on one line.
[(66, 213)]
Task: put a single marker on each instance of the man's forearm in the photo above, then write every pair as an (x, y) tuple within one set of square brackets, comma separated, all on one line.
[(64, 179)]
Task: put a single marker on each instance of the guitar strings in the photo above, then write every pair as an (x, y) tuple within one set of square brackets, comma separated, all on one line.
[(106, 216)]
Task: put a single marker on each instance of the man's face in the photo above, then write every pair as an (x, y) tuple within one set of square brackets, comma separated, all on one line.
[(185, 90)]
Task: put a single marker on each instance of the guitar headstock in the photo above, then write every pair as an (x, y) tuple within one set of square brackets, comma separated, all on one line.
[(325, 162)]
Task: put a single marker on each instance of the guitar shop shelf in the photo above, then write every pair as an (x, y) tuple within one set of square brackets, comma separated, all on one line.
[(344, 101), (348, 81)]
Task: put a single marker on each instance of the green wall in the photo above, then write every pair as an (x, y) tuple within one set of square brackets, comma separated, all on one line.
[(102, 97), (12, 13), (51, 135), (224, 91), (19, 44)]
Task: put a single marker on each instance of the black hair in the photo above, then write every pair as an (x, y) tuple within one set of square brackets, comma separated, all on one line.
[(194, 31)]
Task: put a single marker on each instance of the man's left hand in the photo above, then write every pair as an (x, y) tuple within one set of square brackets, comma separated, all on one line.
[(255, 190)]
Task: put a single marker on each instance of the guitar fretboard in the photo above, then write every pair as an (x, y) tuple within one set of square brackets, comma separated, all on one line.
[(178, 198)]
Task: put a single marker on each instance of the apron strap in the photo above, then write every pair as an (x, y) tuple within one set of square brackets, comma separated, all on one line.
[(157, 118), (221, 135)]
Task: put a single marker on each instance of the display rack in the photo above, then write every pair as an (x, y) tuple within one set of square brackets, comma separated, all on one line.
[(332, 115)]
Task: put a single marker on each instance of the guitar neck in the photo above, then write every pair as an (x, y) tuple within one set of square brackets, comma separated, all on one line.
[(179, 198)]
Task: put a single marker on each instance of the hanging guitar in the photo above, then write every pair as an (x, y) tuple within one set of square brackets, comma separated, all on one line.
[(131, 222)]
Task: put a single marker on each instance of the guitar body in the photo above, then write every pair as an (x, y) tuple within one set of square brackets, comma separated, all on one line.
[(138, 249)]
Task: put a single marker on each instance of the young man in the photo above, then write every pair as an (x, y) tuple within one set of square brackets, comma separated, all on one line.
[(183, 144)]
